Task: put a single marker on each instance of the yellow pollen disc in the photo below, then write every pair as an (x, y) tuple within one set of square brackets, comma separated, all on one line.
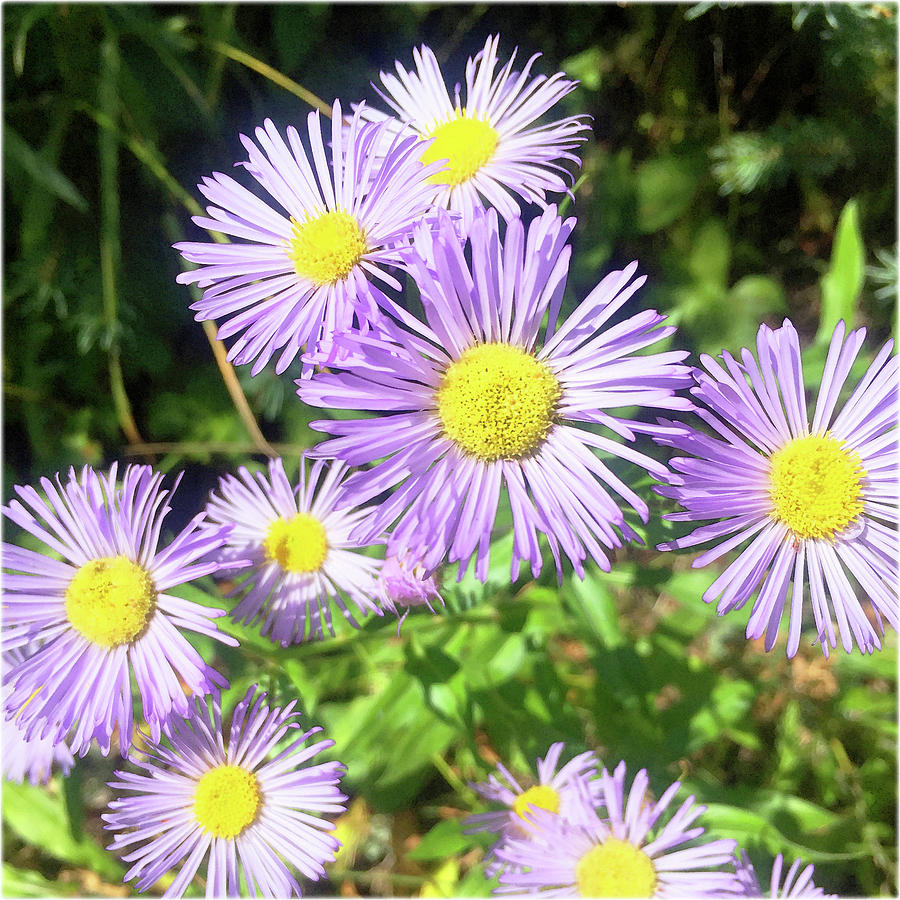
[(541, 796), (497, 401), (466, 144), (226, 800), (298, 544), (816, 486), (325, 248), (110, 600), (615, 869)]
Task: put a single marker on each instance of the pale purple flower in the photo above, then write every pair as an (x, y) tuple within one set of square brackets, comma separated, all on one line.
[(638, 849), (297, 542), (248, 805), (403, 585), (816, 500), (474, 403), (493, 146), (318, 262), (796, 883), (553, 790), (34, 759), (102, 613)]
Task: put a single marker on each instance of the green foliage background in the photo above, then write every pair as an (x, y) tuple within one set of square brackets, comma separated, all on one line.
[(745, 155)]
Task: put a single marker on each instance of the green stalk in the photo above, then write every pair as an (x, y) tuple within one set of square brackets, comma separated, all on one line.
[(110, 244), (251, 62), (150, 157)]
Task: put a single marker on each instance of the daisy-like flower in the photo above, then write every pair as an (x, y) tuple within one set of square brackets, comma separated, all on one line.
[(297, 540), (796, 883), (474, 401), (629, 853), (816, 499), (553, 791), (301, 274), (405, 585), (489, 140), (101, 613), (34, 759), (251, 803)]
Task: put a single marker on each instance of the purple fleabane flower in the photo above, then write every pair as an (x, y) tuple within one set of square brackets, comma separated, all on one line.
[(630, 853), (250, 803), (554, 791), (302, 274), (474, 401), (32, 759), (815, 499), (101, 613), (796, 883), (297, 540), (490, 142), (405, 585)]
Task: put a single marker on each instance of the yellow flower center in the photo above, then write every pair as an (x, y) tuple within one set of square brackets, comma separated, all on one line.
[(497, 401), (615, 869), (466, 144), (325, 248), (227, 800), (110, 600), (298, 544), (541, 796), (816, 486)]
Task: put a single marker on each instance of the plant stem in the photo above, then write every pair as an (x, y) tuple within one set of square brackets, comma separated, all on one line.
[(251, 62), (109, 131), (238, 397), (110, 247)]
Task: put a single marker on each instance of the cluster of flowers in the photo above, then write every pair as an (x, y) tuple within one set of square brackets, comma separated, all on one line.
[(484, 399), (573, 833), (78, 630)]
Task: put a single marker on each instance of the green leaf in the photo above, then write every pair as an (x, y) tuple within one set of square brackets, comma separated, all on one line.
[(28, 883), (17, 151), (710, 256), (43, 820), (588, 67), (843, 281), (755, 827), (508, 659), (729, 705), (596, 605), (758, 295), (444, 840), (476, 884), (395, 719), (307, 686), (665, 188)]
